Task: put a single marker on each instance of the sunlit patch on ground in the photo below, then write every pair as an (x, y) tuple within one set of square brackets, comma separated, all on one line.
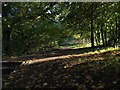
[(98, 70)]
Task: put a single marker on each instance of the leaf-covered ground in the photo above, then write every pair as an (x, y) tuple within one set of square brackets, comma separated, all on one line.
[(79, 71)]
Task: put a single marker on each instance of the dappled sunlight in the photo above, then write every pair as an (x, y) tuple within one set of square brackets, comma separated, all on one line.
[(89, 71), (60, 45), (91, 55)]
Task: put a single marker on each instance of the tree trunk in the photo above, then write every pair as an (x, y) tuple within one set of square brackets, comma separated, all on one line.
[(98, 37), (102, 36), (92, 34), (105, 37), (91, 22), (116, 33), (7, 42), (119, 30)]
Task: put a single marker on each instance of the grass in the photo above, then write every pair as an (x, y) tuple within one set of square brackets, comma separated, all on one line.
[(76, 45), (104, 50)]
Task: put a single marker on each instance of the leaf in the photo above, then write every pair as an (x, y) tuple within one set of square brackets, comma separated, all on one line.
[(44, 84), (114, 82), (66, 66)]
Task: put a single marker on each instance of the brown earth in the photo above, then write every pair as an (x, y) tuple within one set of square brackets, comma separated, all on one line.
[(99, 70)]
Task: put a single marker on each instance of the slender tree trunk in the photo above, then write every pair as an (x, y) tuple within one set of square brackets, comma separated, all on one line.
[(105, 37), (91, 22), (7, 42), (102, 36), (118, 24), (119, 29), (92, 34), (96, 39), (116, 33), (98, 35)]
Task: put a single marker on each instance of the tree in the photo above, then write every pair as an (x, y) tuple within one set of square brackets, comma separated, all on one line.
[(36, 27)]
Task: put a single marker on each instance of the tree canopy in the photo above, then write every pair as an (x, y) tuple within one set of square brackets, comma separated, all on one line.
[(36, 27)]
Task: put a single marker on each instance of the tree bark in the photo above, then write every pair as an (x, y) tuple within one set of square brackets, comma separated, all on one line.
[(102, 35), (116, 33), (119, 30), (7, 42), (92, 34), (91, 23), (105, 37)]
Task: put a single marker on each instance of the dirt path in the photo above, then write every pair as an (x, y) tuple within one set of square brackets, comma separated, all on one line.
[(92, 55), (51, 53), (67, 71)]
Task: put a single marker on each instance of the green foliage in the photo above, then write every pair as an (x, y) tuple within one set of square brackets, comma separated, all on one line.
[(36, 27)]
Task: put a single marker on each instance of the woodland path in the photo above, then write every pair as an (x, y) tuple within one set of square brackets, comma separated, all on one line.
[(63, 60)]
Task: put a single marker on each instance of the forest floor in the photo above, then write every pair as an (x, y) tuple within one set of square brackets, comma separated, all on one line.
[(67, 68)]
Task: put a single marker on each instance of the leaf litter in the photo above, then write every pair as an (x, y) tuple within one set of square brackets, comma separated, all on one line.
[(95, 71)]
